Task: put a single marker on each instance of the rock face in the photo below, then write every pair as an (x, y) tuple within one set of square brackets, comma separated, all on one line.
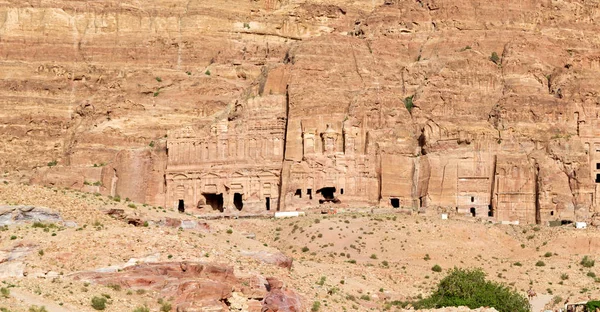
[(11, 260), (279, 299), (486, 108), (194, 286), (18, 214), (278, 258)]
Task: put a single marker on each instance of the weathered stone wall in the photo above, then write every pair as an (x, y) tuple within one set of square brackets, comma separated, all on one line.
[(484, 107)]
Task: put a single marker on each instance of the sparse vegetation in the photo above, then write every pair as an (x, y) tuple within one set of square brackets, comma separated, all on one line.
[(436, 268), (37, 309), (548, 254), (316, 306), (321, 281), (5, 292), (495, 58), (207, 72), (587, 262), (99, 303), (305, 249), (53, 163), (540, 263), (165, 307), (142, 309), (408, 103)]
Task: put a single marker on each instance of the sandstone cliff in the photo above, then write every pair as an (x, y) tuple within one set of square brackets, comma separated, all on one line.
[(486, 107)]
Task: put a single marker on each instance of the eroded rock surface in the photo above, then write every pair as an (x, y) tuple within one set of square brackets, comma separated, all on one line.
[(483, 108), (194, 286), (19, 214)]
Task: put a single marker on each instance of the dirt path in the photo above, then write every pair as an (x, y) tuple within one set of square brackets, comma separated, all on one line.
[(31, 299), (538, 303)]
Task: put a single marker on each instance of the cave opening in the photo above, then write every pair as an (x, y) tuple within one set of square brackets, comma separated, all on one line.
[(237, 201), (214, 200), (327, 192), (395, 202), (473, 211), (181, 206)]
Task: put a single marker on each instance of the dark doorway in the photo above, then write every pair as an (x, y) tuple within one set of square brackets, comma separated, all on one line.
[(473, 211), (597, 178), (490, 211), (342, 191), (597, 166), (472, 199), (395, 202), (215, 201), (298, 193), (551, 213), (309, 193), (327, 192), (268, 203), (237, 201), (181, 206)]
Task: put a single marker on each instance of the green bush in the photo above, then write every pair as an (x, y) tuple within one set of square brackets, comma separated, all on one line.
[(548, 254), (141, 309), (316, 306), (5, 292), (540, 263), (52, 163), (468, 287), (37, 309), (587, 262), (593, 305), (321, 282), (436, 268), (99, 303), (495, 58), (408, 103), (305, 249), (165, 307)]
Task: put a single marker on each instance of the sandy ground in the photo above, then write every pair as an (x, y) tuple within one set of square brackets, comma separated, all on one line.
[(363, 260)]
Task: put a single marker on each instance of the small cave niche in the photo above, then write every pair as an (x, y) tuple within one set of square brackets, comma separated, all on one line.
[(327, 192), (597, 177), (181, 206), (552, 212), (214, 200), (472, 199), (473, 211), (395, 202), (237, 201), (309, 193), (490, 211), (298, 193)]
